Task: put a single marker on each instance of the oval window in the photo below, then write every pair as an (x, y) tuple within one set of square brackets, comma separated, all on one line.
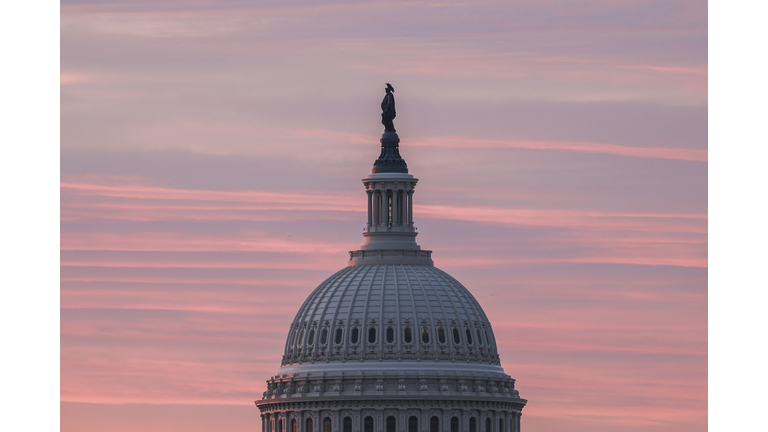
[(440, 335), (407, 335), (301, 338), (425, 335), (355, 335), (469, 337), (311, 337), (487, 338), (323, 336), (456, 338), (479, 338), (390, 335), (371, 335), (337, 336)]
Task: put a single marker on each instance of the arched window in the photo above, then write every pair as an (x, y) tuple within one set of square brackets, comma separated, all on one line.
[(488, 424), (479, 338), (337, 337), (472, 424), (280, 425), (323, 336), (347, 424), (391, 424), (301, 338), (425, 335), (456, 338), (293, 426), (327, 424), (308, 425), (413, 424), (454, 424), (407, 335), (501, 425), (440, 335), (372, 335), (311, 337), (469, 337), (434, 424), (390, 335), (354, 335), (368, 424)]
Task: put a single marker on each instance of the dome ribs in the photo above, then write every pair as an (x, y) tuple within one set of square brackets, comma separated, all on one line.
[(351, 311)]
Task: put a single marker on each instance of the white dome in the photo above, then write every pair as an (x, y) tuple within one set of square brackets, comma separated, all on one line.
[(390, 313)]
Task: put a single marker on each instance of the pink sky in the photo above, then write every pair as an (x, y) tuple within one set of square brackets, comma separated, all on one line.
[(211, 157)]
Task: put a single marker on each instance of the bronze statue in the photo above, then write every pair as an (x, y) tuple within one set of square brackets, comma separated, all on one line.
[(388, 109)]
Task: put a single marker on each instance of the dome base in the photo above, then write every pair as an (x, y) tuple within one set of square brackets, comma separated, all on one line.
[(390, 256)]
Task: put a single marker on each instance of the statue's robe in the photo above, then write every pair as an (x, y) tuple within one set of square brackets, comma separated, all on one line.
[(388, 112)]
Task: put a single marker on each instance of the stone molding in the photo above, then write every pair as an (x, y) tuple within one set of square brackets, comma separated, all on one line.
[(388, 383)]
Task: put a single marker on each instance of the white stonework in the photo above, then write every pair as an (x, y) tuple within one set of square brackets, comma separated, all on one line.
[(390, 343)]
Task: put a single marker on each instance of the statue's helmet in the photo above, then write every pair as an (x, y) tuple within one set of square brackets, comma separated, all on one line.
[(390, 88)]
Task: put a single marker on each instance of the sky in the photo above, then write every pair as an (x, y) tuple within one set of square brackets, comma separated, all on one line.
[(211, 158)]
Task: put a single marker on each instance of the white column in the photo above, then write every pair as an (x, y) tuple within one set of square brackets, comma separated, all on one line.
[(383, 207), (395, 219), (410, 208), (370, 207)]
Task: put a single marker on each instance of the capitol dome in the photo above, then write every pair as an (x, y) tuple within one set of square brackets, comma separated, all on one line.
[(383, 312), (390, 343)]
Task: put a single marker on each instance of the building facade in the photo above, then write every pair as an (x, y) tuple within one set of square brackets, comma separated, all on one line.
[(390, 343)]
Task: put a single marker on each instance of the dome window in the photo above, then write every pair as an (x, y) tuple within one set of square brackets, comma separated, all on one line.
[(391, 424), (434, 424), (487, 338), (390, 335), (413, 424), (454, 424), (323, 336), (301, 338), (425, 335), (469, 337), (456, 338), (479, 338), (407, 335), (354, 336), (311, 337), (338, 335), (441, 335), (372, 335)]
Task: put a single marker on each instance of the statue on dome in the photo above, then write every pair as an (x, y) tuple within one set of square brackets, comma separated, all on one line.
[(388, 109)]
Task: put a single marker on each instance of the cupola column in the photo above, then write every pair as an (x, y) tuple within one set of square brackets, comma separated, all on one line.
[(370, 207), (410, 208), (395, 193)]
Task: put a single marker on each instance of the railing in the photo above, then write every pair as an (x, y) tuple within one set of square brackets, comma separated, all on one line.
[(363, 254)]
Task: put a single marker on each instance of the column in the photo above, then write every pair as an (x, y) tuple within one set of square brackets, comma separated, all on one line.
[(370, 207), (410, 208), (395, 219), (382, 207)]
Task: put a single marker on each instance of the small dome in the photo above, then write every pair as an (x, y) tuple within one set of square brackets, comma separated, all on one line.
[(390, 312)]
